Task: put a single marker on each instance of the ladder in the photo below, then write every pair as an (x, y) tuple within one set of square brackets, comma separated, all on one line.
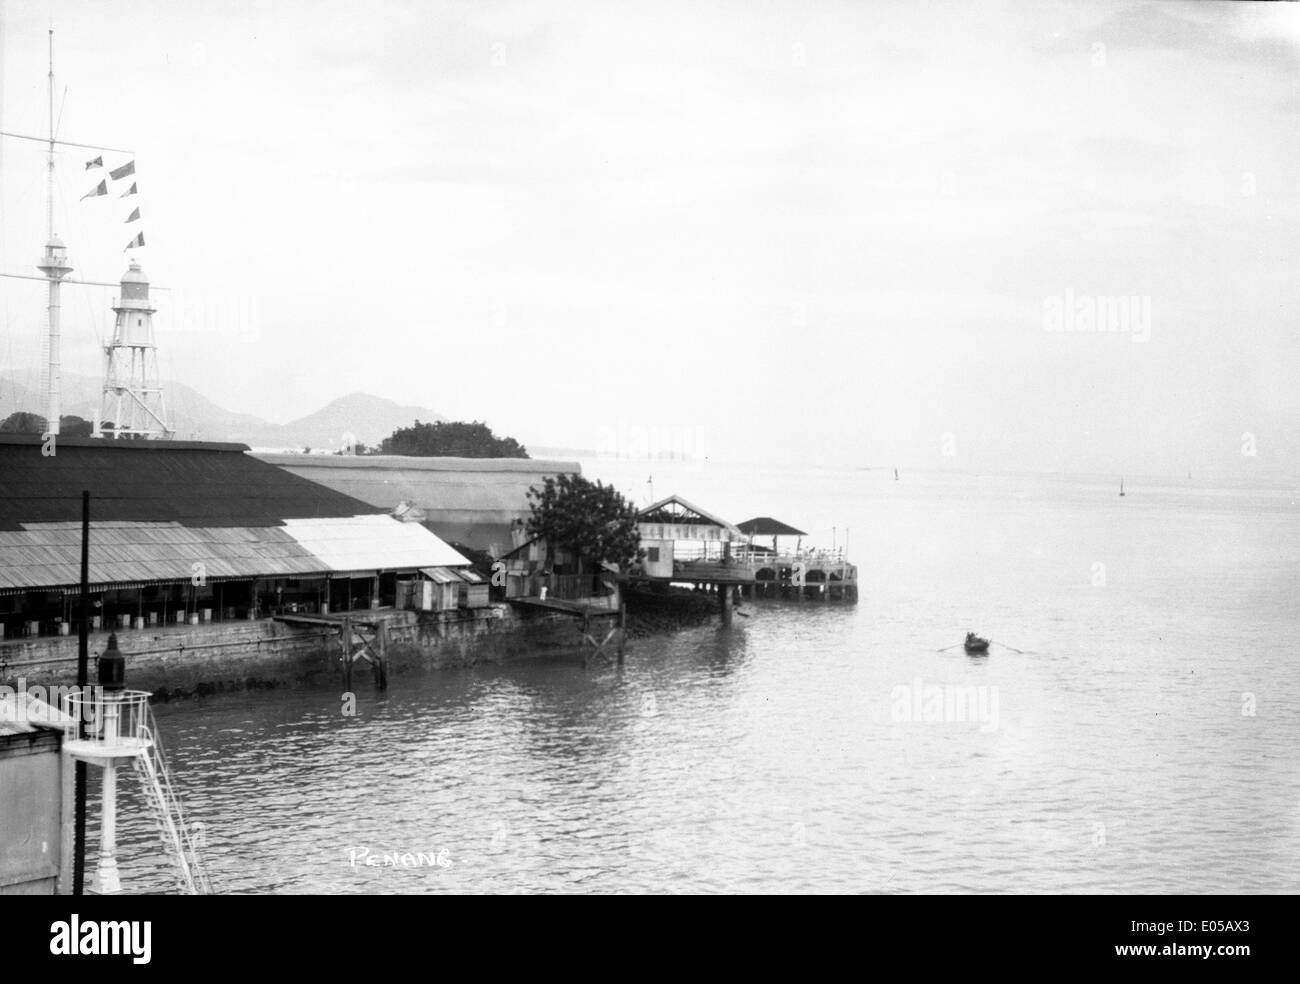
[(181, 841)]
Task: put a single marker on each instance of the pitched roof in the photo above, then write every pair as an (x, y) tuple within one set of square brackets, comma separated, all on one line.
[(767, 526), (648, 514), (159, 508), (187, 483), (371, 543), (468, 500)]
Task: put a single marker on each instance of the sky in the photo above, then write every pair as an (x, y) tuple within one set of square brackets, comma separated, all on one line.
[(813, 232)]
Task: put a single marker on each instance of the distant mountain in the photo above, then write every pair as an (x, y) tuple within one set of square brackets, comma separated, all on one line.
[(196, 418), (367, 419)]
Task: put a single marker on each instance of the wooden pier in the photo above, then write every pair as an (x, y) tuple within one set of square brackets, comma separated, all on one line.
[(808, 575), (813, 575), (685, 544), (362, 636)]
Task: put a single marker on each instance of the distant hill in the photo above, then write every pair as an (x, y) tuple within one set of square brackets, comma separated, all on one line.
[(368, 419)]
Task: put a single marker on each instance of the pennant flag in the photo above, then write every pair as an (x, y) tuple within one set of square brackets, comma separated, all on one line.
[(137, 241), (118, 173), (96, 192), (97, 162), (133, 216), (129, 191)]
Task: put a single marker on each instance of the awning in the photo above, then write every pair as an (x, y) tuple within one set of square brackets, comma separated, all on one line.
[(441, 575)]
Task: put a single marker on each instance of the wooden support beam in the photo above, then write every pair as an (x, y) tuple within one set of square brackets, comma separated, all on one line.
[(622, 627), (381, 664), (345, 639)]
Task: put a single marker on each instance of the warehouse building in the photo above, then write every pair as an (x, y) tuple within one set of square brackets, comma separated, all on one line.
[(188, 533), (477, 503)]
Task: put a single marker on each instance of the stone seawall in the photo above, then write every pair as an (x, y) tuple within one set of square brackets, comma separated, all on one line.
[(183, 660)]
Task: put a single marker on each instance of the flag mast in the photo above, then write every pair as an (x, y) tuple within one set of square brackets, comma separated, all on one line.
[(49, 169), (54, 264)]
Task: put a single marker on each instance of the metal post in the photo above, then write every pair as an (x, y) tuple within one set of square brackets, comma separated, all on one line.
[(83, 678), (108, 881)]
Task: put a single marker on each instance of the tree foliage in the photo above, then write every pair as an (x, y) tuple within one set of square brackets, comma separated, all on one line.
[(24, 422), (589, 519), (75, 427), (451, 439)]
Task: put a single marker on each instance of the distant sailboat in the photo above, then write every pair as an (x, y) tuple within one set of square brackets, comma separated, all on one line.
[(1121, 486), (895, 474)]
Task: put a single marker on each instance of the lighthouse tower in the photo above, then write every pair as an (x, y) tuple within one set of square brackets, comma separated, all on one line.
[(133, 397)]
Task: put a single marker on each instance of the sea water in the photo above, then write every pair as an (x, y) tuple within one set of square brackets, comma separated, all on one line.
[(1145, 737)]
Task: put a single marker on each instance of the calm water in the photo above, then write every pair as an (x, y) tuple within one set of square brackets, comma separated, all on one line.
[(1145, 741)]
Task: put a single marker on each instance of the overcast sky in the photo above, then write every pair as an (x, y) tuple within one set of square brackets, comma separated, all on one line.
[(811, 231)]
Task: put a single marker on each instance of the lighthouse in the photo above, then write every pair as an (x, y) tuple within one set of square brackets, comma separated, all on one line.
[(133, 396)]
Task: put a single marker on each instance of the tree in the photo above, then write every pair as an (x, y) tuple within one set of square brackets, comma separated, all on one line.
[(23, 422), (72, 426), (591, 520), (451, 439)]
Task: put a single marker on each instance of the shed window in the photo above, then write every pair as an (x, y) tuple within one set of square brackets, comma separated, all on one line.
[(652, 554)]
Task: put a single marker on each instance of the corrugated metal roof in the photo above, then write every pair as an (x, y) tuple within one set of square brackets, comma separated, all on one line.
[(440, 575), (45, 556), (160, 507), (49, 555), (372, 543)]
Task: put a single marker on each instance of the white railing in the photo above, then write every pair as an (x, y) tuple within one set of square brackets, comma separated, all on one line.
[(823, 557), (112, 718), (120, 723)]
